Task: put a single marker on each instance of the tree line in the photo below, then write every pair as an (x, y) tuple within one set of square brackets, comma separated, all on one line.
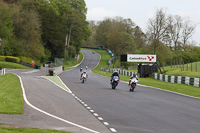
[(43, 29), (168, 36)]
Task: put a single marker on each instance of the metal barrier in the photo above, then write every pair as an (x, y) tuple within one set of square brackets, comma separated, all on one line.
[(178, 79)]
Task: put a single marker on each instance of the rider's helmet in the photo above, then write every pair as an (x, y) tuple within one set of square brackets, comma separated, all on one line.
[(115, 71), (84, 71), (134, 75)]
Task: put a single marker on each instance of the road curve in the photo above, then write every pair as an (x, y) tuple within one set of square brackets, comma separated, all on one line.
[(146, 110)]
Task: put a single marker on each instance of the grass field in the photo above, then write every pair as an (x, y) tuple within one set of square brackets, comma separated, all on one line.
[(5, 129), (57, 81), (11, 99), (177, 72), (5, 64), (180, 88)]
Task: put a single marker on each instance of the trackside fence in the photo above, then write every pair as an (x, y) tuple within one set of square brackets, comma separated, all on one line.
[(178, 79), (2, 71)]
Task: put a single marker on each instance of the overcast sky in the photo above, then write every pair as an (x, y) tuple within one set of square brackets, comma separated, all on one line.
[(139, 11)]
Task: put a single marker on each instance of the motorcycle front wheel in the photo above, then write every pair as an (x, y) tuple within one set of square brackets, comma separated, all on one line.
[(132, 87)]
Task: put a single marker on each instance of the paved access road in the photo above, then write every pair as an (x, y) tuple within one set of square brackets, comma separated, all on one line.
[(146, 110)]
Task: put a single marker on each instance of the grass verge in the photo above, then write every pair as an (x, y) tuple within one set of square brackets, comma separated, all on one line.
[(72, 62), (4, 129), (57, 81), (11, 98), (5, 64), (180, 88)]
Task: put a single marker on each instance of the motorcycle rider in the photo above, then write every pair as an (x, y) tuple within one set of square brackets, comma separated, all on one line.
[(115, 73), (133, 76), (84, 72)]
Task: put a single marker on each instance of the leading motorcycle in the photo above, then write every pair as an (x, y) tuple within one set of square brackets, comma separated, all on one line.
[(115, 81)]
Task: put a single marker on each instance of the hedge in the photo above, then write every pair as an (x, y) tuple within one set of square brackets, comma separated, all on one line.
[(12, 59), (2, 58), (29, 59)]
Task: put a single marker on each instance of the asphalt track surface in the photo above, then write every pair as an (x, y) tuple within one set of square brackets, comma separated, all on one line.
[(50, 107), (146, 110)]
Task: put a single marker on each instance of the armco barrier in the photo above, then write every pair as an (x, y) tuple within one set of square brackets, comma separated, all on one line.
[(178, 79)]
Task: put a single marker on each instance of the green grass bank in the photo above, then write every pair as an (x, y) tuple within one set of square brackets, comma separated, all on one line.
[(11, 97)]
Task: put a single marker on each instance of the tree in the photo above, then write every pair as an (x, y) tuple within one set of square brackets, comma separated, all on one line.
[(157, 28), (139, 37), (102, 32), (129, 25), (187, 32), (174, 27), (74, 14), (27, 29), (53, 29), (6, 30)]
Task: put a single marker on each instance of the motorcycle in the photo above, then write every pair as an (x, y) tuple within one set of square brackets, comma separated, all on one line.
[(115, 81), (133, 84), (84, 76)]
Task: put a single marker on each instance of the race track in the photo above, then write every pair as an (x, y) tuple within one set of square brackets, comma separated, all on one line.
[(147, 110)]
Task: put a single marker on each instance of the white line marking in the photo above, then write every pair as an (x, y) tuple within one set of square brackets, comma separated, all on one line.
[(82, 102), (113, 130), (95, 114), (88, 108), (101, 119), (92, 111), (56, 117), (105, 123)]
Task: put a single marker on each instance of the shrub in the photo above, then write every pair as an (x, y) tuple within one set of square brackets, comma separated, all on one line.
[(12, 59)]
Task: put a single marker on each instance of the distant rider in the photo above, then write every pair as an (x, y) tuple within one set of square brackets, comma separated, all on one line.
[(115, 73), (81, 69), (133, 76)]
